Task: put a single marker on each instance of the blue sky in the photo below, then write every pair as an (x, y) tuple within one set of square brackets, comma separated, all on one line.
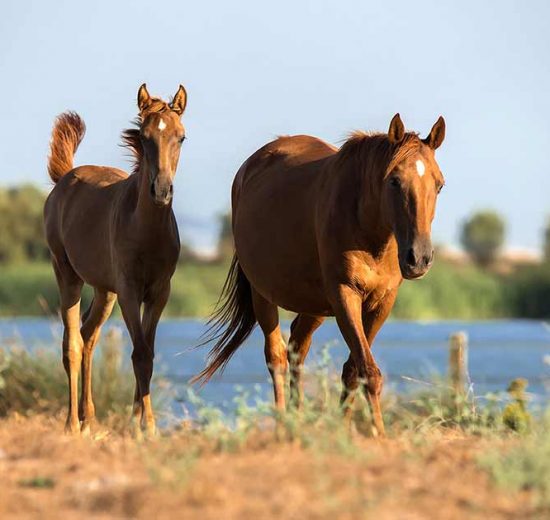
[(254, 70)]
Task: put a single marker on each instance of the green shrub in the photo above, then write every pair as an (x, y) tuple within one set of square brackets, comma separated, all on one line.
[(451, 292), (526, 466), (35, 382)]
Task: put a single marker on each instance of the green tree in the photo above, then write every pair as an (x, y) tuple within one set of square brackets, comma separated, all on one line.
[(482, 236), (225, 238), (21, 224), (547, 241)]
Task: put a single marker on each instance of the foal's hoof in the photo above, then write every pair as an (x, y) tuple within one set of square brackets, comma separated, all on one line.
[(281, 432), (378, 433), (137, 434), (86, 428), (151, 431), (72, 428)]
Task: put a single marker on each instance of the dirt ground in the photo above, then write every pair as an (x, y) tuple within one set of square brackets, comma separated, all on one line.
[(45, 474)]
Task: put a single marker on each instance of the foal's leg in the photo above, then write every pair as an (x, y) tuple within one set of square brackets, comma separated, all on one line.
[(372, 322), (142, 356), (301, 333), (94, 318), (70, 287), (347, 305), (267, 315), (151, 315)]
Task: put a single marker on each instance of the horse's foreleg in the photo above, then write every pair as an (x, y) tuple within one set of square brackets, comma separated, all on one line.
[(151, 315), (347, 306), (301, 333), (372, 322), (267, 315), (99, 312), (70, 287), (142, 357)]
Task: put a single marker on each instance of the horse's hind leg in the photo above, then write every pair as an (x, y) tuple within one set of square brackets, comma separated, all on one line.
[(70, 287), (301, 333), (275, 348), (350, 383), (98, 313)]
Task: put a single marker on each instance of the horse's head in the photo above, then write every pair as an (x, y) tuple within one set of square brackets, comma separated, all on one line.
[(161, 135), (411, 186)]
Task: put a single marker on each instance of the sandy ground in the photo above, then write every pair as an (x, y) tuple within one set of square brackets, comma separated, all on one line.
[(45, 474)]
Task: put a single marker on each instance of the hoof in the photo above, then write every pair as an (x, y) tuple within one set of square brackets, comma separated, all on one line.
[(72, 429), (86, 428), (378, 433), (151, 431)]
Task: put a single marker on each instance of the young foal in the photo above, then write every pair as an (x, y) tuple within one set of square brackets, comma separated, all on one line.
[(117, 233), (327, 232)]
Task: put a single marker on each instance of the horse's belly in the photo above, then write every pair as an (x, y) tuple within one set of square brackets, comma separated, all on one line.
[(93, 265), (282, 270), (275, 239)]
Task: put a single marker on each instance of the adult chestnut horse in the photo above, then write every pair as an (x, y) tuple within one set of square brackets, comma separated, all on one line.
[(117, 233), (322, 231)]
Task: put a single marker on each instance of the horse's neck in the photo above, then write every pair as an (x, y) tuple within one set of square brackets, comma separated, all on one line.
[(149, 215), (363, 223)]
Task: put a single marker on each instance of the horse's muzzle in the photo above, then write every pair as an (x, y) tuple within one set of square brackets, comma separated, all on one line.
[(162, 193), (417, 259)]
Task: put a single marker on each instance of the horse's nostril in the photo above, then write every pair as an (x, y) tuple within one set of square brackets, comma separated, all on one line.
[(411, 257), (171, 188), (153, 189)]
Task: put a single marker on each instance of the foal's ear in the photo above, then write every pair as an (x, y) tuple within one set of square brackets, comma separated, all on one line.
[(143, 98), (396, 131), (437, 134), (180, 101)]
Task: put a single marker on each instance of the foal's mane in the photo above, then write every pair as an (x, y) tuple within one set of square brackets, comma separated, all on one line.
[(374, 156), (130, 136)]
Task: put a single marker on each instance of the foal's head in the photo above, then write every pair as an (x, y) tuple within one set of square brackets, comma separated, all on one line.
[(161, 134), (411, 185)]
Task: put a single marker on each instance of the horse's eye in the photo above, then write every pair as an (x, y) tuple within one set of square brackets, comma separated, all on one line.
[(181, 139), (440, 187), (395, 182)]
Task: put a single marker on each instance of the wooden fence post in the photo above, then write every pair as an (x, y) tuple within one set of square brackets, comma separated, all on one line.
[(458, 362)]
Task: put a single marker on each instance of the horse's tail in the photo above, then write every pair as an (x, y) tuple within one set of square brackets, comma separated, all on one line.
[(231, 323), (67, 133)]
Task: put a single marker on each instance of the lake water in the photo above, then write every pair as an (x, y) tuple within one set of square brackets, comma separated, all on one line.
[(499, 351)]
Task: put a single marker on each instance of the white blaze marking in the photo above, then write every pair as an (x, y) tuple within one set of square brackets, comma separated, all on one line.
[(162, 125), (420, 168)]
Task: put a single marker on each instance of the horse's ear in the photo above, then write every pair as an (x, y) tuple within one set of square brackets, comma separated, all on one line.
[(437, 134), (143, 98), (396, 132), (180, 101)]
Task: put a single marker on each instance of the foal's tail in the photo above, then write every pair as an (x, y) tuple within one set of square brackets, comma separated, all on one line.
[(67, 133), (231, 323)]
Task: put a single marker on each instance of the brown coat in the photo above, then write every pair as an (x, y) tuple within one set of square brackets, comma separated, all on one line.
[(322, 231), (117, 233)]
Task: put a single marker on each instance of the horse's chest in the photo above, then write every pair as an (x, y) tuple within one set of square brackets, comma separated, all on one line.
[(149, 265), (161, 259), (379, 291)]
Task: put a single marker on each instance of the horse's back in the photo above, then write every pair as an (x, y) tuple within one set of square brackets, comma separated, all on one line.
[(274, 202), (80, 189), (284, 155), (78, 211)]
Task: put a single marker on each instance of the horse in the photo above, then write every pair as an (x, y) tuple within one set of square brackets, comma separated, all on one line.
[(116, 232), (325, 231)]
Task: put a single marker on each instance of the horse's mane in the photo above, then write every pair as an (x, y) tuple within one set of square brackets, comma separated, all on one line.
[(374, 155), (130, 136)]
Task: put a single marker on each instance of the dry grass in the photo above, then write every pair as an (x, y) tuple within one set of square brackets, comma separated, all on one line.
[(445, 457), (45, 474)]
